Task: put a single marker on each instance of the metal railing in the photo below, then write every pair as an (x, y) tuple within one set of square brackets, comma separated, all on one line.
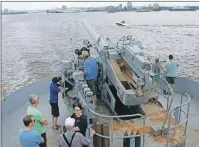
[(178, 122), (164, 85), (111, 137)]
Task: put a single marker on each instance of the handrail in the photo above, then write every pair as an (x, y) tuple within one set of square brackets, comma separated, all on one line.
[(161, 82), (169, 112), (111, 130), (120, 116), (180, 123), (168, 104)]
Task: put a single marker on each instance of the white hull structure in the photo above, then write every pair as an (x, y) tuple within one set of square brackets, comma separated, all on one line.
[(121, 24)]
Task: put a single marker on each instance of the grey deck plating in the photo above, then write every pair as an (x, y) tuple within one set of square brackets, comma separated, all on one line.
[(12, 116)]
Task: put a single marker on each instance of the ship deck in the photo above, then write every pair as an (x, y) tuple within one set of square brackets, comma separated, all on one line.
[(12, 118)]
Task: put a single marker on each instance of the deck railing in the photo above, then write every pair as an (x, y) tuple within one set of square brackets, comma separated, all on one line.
[(164, 89), (178, 115), (110, 118), (164, 85)]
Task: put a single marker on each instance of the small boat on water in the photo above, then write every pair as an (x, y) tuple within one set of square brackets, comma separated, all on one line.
[(123, 23)]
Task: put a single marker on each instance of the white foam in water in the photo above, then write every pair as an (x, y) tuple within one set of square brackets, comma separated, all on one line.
[(34, 48)]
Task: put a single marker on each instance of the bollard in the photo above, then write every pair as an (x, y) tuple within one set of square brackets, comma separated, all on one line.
[(138, 139), (94, 121), (105, 132), (126, 141), (132, 140), (99, 131)]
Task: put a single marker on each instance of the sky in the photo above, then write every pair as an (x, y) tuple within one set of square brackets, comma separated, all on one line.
[(50, 5)]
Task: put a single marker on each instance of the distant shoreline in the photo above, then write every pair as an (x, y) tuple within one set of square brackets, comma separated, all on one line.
[(14, 13)]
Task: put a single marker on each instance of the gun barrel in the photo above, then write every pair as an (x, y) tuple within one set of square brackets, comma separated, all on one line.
[(94, 35)]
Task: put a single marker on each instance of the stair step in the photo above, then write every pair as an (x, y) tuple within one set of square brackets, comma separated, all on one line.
[(156, 130)]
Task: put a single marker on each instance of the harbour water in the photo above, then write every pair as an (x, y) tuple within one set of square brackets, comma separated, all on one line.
[(34, 44)]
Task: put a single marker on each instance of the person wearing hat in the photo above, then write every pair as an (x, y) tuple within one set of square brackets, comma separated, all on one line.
[(54, 90), (90, 73), (72, 138), (85, 49)]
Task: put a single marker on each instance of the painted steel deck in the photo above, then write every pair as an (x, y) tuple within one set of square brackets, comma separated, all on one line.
[(14, 109)]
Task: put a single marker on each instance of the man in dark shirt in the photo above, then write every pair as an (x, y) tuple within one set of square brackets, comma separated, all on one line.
[(54, 90)]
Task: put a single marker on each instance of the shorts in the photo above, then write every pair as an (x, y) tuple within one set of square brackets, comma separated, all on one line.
[(92, 84), (54, 109), (45, 140), (156, 78), (170, 80)]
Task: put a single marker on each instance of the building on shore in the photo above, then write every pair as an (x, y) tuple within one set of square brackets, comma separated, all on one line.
[(150, 8), (156, 7), (64, 7), (5, 11), (112, 9), (120, 7), (129, 6), (10, 11)]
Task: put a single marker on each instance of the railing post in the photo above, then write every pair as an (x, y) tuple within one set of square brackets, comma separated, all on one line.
[(187, 116), (99, 131), (94, 137), (138, 140), (105, 132), (132, 140), (177, 113), (111, 132), (126, 141), (143, 131), (167, 144), (181, 103)]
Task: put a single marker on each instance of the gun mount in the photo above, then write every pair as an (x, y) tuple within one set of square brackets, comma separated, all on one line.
[(123, 79), (124, 85), (124, 67)]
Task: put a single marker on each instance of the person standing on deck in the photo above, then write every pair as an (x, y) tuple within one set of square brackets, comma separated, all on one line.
[(40, 120), (171, 70), (90, 73), (54, 90), (156, 68), (28, 137), (80, 120), (72, 138)]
